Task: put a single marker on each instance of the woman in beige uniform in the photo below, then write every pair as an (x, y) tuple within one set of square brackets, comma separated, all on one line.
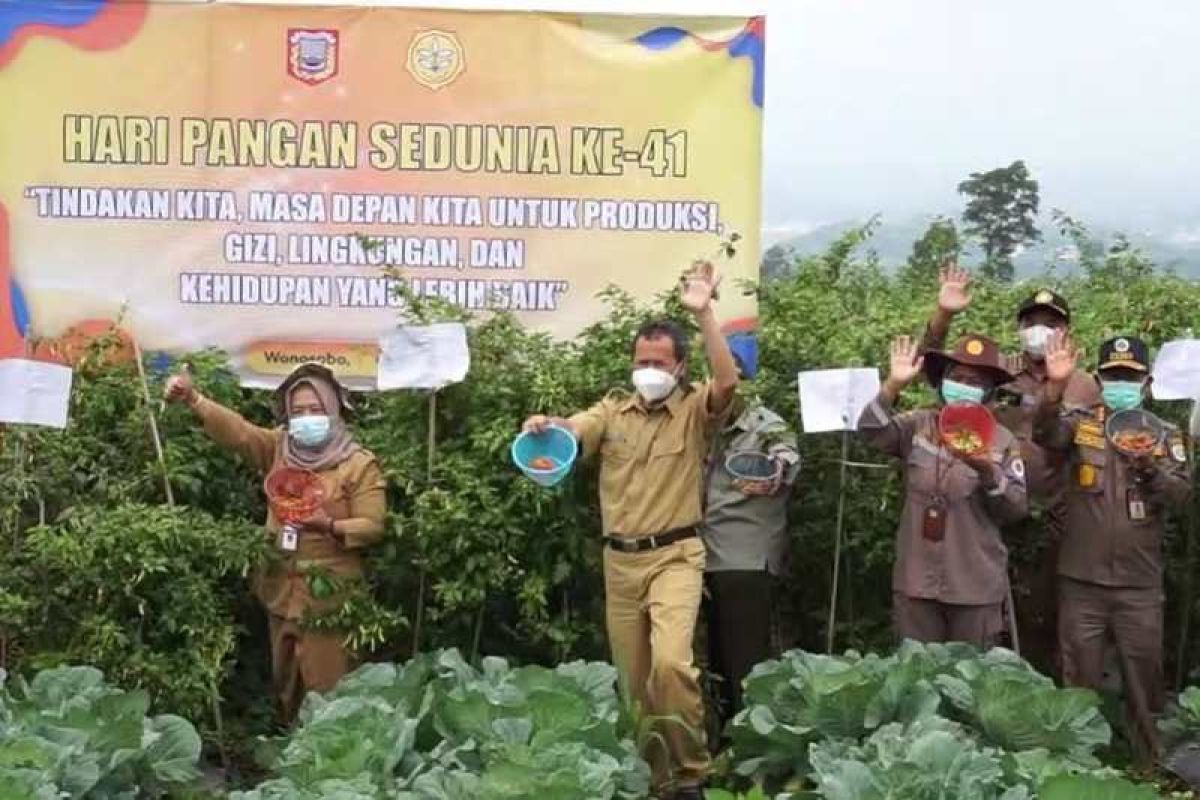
[(311, 403), (950, 579)]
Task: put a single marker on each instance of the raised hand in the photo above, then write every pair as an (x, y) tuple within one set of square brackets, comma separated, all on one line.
[(1062, 357), (953, 296), (699, 286), (906, 361), (179, 388)]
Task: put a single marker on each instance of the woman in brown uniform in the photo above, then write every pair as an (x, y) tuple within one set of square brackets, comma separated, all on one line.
[(311, 403), (950, 580)]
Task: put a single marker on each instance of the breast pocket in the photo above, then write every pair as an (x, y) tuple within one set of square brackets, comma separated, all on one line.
[(929, 473), (921, 470), (669, 446), (616, 449), (1089, 470)]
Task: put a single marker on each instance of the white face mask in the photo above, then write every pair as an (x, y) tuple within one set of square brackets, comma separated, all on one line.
[(653, 384), (1034, 339)]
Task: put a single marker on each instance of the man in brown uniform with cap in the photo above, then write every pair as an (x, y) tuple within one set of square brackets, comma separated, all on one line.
[(950, 578), (1039, 317), (1110, 564), (311, 404), (652, 447)]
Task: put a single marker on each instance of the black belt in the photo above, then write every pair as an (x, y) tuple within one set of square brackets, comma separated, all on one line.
[(641, 544)]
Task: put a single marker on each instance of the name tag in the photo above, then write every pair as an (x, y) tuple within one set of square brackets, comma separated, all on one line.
[(1136, 505), (288, 538), (933, 522), (1087, 476)]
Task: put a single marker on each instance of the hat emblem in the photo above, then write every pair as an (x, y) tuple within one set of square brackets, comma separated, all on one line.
[(1121, 345), (1043, 297), (974, 347)]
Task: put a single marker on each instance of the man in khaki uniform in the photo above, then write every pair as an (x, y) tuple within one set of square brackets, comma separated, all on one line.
[(652, 446), (1110, 564), (950, 579), (312, 403), (1039, 317)]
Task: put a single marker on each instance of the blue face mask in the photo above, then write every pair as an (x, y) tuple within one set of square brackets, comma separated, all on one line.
[(1121, 395), (309, 431), (955, 392)]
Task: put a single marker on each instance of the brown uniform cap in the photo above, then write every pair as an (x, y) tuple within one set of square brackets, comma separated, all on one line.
[(972, 350)]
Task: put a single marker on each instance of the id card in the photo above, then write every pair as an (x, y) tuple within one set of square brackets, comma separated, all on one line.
[(933, 522), (1136, 505), (288, 538)]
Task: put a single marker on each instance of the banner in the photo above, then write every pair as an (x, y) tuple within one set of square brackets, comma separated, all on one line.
[(265, 179)]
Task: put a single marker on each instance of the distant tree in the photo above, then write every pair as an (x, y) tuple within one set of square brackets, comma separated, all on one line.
[(1089, 250), (1001, 213), (778, 262), (938, 245), (840, 253)]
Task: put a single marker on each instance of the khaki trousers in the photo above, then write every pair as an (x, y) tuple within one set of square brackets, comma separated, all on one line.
[(652, 601), (303, 661), (1089, 615)]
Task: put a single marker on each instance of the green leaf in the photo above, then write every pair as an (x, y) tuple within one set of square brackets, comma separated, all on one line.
[(173, 750), (1073, 787)]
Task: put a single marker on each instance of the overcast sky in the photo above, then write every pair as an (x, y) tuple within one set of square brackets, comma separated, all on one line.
[(884, 105)]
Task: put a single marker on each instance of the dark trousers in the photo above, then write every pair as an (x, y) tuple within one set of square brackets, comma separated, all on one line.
[(1089, 616), (739, 610), (931, 621)]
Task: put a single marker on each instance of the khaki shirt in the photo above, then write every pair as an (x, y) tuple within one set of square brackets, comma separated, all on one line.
[(969, 565), (1104, 543), (355, 492), (749, 532), (651, 459)]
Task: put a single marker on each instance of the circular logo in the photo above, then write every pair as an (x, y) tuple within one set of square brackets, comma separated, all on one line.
[(435, 58), (1121, 345), (1044, 297), (974, 347)]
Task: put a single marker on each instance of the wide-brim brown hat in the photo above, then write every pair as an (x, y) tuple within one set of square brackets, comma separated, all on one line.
[(310, 371), (971, 350)]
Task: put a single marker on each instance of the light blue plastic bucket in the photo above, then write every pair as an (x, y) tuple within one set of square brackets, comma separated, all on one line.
[(556, 444)]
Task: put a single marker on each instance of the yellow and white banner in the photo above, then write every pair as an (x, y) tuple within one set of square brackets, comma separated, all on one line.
[(257, 178)]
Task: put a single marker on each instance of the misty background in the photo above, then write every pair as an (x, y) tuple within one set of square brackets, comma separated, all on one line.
[(884, 106)]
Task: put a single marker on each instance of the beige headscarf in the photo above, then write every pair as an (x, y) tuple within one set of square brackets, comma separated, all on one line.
[(337, 448)]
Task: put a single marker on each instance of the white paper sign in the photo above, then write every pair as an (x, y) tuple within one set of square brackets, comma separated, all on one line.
[(34, 392), (1177, 371), (833, 399), (423, 357)]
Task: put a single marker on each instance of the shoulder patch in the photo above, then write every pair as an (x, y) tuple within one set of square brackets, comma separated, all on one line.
[(1089, 433)]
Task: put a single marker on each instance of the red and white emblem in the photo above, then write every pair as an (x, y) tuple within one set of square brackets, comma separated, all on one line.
[(312, 54)]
